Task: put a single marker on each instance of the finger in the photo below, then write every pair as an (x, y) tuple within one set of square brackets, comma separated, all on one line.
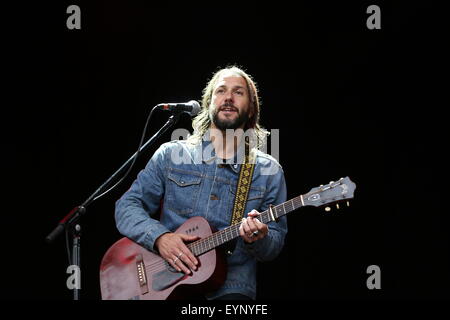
[(243, 233), (260, 226), (248, 233), (253, 229), (189, 258), (253, 213), (177, 256), (252, 224), (173, 263), (263, 229), (245, 226), (248, 238), (182, 266), (241, 230)]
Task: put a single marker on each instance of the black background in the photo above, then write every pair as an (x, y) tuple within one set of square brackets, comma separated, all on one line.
[(348, 101)]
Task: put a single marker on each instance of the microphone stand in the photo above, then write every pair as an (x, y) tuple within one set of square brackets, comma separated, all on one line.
[(71, 221)]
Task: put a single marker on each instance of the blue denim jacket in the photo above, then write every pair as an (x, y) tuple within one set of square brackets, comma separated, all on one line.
[(192, 183)]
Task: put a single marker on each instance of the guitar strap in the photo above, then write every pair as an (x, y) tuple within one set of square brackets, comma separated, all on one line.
[(242, 189), (243, 186)]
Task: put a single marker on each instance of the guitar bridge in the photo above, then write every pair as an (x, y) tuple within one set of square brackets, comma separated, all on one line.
[(141, 274)]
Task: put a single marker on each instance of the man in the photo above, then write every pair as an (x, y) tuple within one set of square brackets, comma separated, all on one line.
[(202, 182)]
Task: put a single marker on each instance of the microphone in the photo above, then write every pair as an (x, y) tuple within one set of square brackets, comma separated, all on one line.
[(192, 107)]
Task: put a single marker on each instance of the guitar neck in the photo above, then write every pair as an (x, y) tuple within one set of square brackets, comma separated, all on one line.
[(204, 245), (340, 190)]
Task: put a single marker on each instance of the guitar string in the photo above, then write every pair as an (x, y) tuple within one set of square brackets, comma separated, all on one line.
[(202, 246), (198, 247), (206, 244)]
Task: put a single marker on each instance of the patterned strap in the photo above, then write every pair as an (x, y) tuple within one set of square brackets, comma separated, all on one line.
[(243, 186)]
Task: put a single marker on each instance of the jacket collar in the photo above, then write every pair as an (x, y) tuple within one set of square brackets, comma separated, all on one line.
[(209, 156)]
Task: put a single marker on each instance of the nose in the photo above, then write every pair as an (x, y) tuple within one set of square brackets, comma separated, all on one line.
[(229, 97)]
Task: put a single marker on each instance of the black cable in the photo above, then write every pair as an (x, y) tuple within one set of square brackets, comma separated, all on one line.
[(67, 247), (118, 182), (134, 160)]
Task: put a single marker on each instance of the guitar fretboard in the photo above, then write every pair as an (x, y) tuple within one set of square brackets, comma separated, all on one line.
[(204, 245)]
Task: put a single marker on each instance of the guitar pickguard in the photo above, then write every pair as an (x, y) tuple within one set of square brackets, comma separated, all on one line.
[(165, 278)]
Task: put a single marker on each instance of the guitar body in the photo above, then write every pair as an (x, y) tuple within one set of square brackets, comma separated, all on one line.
[(129, 271)]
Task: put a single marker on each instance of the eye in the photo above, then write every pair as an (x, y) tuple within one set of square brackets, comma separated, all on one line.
[(220, 90), (240, 92)]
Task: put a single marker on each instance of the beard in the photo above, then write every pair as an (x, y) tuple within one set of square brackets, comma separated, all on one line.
[(224, 124)]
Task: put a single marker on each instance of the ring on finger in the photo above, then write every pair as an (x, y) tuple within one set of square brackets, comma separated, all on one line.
[(178, 257)]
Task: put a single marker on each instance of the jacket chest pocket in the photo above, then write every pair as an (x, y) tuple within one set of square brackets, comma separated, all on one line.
[(254, 199), (182, 192)]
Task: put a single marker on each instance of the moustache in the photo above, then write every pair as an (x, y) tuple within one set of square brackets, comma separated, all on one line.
[(228, 106)]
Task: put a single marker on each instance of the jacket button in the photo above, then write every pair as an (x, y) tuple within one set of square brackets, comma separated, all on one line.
[(214, 197)]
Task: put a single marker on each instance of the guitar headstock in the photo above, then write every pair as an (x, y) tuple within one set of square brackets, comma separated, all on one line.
[(333, 192)]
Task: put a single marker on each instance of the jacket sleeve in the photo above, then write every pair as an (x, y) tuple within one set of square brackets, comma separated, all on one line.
[(135, 207), (270, 246)]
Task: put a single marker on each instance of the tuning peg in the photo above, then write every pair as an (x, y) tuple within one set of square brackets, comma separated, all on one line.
[(327, 209), (337, 205), (348, 204)]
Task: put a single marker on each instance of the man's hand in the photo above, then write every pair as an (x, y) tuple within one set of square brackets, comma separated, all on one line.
[(252, 229), (172, 248)]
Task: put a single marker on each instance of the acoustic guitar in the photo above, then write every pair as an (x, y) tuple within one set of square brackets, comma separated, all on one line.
[(128, 271)]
